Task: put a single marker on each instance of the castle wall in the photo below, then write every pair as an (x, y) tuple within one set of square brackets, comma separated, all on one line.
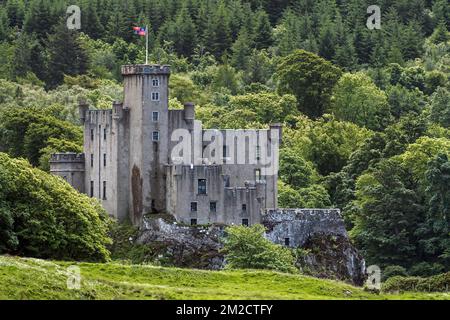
[(99, 160), (69, 166)]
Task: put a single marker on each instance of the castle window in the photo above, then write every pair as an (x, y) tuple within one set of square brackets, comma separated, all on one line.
[(92, 134), (201, 186), (155, 135), (104, 190), (224, 151), (155, 82), (245, 222), (244, 208), (193, 222), (104, 134), (258, 152), (287, 242), (258, 174), (92, 160), (155, 116), (193, 206), (92, 189), (155, 96), (213, 206), (104, 159)]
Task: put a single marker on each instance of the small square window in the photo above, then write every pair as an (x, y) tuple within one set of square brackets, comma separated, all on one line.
[(193, 206), (201, 186), (155, 96), (155, 116), (155, 82), (193, 222), (244, 208), (155, 136), (213, 206), (245, 222)]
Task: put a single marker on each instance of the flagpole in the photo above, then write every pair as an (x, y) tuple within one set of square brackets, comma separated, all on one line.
[(146, 45)]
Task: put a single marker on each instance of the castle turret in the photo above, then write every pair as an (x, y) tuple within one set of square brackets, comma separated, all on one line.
[(69, 166), (146, 98)]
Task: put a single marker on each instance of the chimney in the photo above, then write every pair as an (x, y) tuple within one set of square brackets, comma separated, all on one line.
[(189, 112), (83, 107)]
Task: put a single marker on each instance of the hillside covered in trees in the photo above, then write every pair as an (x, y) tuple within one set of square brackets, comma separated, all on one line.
[(366, 113)]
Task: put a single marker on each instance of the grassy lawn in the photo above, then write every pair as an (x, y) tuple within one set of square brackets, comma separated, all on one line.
[(25, 278)]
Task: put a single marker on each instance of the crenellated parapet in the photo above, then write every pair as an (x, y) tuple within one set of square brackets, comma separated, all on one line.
[(145, 69), (67, 157)]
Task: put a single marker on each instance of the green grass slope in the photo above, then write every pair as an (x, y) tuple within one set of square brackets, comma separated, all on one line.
[(26, 278)]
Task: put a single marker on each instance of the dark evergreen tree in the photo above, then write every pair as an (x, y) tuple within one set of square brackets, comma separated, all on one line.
[(90, 22), (38, 19), (263, 31), (66, 55)]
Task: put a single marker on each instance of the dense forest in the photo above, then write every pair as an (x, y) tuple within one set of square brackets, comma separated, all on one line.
[(366, 113)]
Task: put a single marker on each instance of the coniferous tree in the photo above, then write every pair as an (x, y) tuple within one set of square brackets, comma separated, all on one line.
[(263, 31), (327, 41), (221, 31), (185, 34), (16, 12), (66, 55), (117, 26), (90, 22), (38, 19), (241, 50)]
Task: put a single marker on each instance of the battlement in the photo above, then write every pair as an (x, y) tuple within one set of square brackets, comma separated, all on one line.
[(67, 157), (145, 69)]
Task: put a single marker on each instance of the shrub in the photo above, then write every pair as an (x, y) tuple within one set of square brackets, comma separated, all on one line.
[(246, 247), (425, 269), (438, 283), (392, 271), (43, 216)]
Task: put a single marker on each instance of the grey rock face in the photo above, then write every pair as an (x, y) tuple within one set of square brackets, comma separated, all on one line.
[(184, 246), (327, 250)]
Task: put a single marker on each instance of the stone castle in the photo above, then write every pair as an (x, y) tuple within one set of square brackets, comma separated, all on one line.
[(142, 157)]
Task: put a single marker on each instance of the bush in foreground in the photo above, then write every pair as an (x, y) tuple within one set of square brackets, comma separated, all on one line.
[(438, 283), (246, 248), (43, 216)]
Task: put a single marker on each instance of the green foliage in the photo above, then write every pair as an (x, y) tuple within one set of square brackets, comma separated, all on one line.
[(393, 271), (440, 110), (295, 170), (438, 283), (388, 214), (358, 100), (43, 216), (246, 247), (25, 132), (310, 78)]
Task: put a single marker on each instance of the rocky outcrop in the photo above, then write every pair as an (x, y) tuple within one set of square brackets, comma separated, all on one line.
[(326, 250), (183, 246), (323, 247)]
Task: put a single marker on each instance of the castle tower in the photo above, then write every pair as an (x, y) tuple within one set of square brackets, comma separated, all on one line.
[(69, 166), (146, 99)]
